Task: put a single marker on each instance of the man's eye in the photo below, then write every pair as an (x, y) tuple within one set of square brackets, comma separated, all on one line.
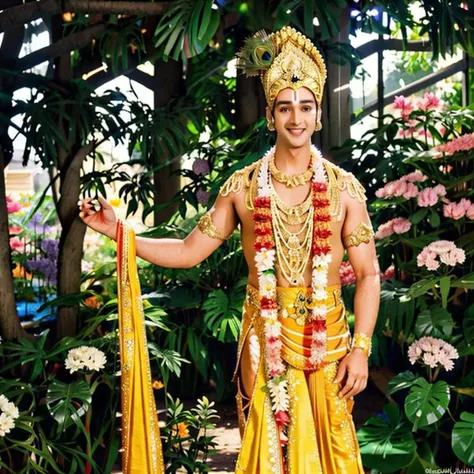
[(307, 109)]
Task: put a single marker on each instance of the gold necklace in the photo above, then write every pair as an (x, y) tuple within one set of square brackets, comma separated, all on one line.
[(291, 180), (293, 215), (293, 249)]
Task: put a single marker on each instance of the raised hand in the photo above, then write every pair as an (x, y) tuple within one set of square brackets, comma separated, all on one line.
[(103, 220)]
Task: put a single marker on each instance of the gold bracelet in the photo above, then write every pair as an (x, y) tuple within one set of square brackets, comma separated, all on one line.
[(362, 341), (207, 227), (361, 234)]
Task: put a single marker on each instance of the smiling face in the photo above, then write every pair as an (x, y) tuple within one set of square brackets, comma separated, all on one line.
[(295, 117)]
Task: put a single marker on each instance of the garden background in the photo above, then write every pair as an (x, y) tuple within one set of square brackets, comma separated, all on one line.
[(140, 102)]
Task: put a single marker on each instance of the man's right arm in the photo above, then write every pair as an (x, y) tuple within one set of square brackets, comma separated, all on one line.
[(172, 253)]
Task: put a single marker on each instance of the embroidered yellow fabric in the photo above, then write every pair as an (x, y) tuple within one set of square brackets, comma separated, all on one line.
[(207, 227), (321, 435), (141, 442), (360, 235)]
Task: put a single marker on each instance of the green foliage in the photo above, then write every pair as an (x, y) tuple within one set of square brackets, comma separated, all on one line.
[(386, 442), (186, 28), (463, 438), (186, 441)]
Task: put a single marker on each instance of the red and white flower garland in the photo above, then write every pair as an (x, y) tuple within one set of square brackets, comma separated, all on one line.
[(265, 262)]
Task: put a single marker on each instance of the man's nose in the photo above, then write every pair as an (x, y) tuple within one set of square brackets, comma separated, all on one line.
[(295, 117)]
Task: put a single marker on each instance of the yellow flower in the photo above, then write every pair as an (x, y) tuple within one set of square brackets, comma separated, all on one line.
[(183, 431), (20, 272), (157, 384), (116, 202)]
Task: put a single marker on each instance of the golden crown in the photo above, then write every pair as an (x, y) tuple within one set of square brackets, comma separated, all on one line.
[(283, 59)]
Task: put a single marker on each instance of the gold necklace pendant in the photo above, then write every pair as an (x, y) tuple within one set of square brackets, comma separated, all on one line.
[(291, 180)]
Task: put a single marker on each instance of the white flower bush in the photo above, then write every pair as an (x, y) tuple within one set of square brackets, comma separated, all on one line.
[(8, 414), (85, 358)]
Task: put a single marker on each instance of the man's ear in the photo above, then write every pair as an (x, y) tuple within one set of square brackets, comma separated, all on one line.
[(268, 114)]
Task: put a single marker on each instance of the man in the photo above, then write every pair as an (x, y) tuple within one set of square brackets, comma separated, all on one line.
[(297, 367)]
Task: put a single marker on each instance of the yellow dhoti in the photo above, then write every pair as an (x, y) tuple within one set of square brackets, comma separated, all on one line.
[(321, 433)]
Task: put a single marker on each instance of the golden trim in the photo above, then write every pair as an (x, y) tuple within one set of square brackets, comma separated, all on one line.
[(362, 341), (291, 180)]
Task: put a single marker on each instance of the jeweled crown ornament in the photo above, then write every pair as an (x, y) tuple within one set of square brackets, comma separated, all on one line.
[(284, 59)]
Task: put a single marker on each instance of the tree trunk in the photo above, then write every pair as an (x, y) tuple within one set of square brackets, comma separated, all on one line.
[(71, 241), (168, 84), (10, 326)]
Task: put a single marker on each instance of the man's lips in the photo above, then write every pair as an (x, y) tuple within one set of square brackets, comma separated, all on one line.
[(296, 131)]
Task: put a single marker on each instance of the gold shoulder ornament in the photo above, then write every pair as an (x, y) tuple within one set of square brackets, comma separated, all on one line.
[(339, 180), (361, 234), (244, 179)]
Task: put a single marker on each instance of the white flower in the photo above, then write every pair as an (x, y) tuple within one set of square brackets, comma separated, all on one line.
[(267, 284), (271, 314), (84, 357), (11, 410), (273, 330), (279, 395), (320, 311), (265, 259), (320, 278), (322, 260), (6, 424), (320, 295), (320, 336)]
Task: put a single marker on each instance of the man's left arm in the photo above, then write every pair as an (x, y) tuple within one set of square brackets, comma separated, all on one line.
[(358, 240)]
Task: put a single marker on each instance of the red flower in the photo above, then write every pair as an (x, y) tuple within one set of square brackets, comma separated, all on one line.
[(261, 201), (268, 303), (263, 230), (319, 187), (281, 418), (319, 325), (320, 203), (322, 233), (319, 249), (261, 217)]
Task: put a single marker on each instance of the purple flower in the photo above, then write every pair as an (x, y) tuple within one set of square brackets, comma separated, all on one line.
[(45, 267), (202, 196), (201, 167), (51, 248)]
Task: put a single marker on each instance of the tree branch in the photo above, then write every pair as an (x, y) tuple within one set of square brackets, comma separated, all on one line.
[(61, 47), (28, 12)]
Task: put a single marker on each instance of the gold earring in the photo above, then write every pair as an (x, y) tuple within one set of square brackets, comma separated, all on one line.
[(318, 127), (271, 126)]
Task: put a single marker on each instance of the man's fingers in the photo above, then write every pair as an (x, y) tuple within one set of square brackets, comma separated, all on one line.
[(347, 387), (104, 203), (341, 372), (354, 391)]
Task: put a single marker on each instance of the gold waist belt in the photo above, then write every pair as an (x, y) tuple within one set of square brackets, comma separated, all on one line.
[(294, 305)]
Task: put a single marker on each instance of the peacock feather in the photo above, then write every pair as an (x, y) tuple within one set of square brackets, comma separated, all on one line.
[(256, 55)]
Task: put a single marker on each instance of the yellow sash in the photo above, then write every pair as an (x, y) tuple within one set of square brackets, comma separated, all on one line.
[(141, 442)]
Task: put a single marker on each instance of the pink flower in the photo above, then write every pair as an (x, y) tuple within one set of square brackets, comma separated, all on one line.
[(470, 212), (462, 143), (414, 177), (404, 105), (447, 252), (14, 229), (17, 244), (429, 102), (202, 196), (429, 196), (452, 258), (411, 191), (433, 353), (401, 225), (453, 211), (12, 206), (346, 273), (457, 210)]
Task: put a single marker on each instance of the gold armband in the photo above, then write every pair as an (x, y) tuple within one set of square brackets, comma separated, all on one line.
[(207, 227), (361, 234), (362, 341)]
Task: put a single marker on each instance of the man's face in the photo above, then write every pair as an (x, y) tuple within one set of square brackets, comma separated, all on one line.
[(295, 116)]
